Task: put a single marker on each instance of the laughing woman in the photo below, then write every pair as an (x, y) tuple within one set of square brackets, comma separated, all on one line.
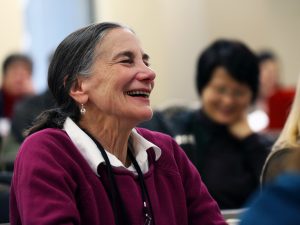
[(86, 163)]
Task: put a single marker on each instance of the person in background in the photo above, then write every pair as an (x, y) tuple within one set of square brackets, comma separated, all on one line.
[(16, 82), (279, 201), (27, 110), (24, 113), (287, 140), (16, 85), (217, 137), (274, 99), (91, 165)]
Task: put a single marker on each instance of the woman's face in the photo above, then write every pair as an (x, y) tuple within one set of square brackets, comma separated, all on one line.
[(17, 80), (224, 99), (269, 78), (121, 80)]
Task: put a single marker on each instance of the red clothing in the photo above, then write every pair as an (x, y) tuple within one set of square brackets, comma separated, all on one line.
[(8, 102), (279, 105), (54, 184)]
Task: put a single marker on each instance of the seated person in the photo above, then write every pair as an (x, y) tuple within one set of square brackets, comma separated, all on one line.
[(27, 110), (16, 85), (274, 98), (278, 202), (287, 140), (84, 162), (217, 137), (16, 82)]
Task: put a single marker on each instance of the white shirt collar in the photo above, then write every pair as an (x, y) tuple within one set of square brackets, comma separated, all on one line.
[(92, 154)]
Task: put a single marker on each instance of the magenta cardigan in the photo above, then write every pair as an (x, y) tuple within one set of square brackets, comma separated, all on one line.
[(54, 184)]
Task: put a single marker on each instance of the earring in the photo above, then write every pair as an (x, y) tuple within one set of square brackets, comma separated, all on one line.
[(82, 109)]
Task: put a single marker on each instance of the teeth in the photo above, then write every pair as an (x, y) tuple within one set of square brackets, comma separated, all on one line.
[(143, 93)]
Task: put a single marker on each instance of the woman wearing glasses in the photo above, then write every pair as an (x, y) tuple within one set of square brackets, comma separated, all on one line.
[(218, 138)]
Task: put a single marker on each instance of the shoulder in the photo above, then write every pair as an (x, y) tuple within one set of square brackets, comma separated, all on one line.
[(274, 164), (46, 141), (183, 120), (47, 150), (46, 135), (259, 138), (281, 195)]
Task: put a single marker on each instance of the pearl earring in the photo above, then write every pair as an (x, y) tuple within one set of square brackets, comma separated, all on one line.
[(82, 109)]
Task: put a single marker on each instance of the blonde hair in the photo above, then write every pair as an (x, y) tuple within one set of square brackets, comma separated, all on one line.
[(290, 133)]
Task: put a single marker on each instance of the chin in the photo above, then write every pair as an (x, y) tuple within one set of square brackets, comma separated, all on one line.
[(145, 115), (224, 120)]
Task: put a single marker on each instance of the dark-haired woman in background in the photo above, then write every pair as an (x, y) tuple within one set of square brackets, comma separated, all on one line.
[(218, 138)]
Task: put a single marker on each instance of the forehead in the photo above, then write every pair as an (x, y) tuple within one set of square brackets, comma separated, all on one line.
[(222, 76), (19, 64), (117, 40)]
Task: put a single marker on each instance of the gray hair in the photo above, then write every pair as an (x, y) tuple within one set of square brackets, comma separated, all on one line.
[(73, 57)]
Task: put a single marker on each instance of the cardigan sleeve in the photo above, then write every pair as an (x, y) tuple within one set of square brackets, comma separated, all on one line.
[(202, 208), (42, 187)]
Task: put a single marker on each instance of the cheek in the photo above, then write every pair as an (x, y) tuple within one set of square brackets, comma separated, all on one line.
[(246, 102), (208, 99)]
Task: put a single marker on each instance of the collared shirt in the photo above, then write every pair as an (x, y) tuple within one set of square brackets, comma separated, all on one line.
[(89, 150)]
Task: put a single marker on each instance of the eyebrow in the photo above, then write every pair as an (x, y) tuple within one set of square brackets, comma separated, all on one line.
[(130, 54)]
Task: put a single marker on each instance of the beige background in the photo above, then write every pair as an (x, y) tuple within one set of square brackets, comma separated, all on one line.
[(11, 28), (174, 32)]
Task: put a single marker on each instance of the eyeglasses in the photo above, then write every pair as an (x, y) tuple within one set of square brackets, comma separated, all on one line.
[(237, 94)]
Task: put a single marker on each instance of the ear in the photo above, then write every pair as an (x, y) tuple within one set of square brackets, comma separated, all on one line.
[(77, 92)]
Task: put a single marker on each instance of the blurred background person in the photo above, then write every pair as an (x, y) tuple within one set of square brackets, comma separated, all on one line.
[(217, 137), (28, 109), (24, 113), (16, 82), (274, 99), (279, 201), (16, 85), (287, 140)]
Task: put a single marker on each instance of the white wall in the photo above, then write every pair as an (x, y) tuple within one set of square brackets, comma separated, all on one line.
[(174, 32), (11, 27)]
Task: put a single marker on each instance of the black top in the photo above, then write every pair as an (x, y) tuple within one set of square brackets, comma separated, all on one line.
[(27, 110), (229, 167)]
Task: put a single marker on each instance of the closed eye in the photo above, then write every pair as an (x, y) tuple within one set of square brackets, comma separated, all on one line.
[(147, 63), (127, 61)]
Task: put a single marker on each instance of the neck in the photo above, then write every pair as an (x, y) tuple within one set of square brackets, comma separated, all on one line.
[(112, 137)]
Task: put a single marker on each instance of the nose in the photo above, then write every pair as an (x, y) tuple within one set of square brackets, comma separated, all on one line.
[(229, 99), (145, 73)]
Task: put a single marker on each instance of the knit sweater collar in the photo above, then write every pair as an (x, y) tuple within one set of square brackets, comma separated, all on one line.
[(92, 155)]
